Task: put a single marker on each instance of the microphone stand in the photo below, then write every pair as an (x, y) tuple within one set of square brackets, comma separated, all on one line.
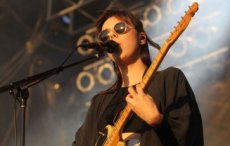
[(22, 86)]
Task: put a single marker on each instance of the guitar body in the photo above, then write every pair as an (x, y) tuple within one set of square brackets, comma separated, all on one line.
[(107, 132)]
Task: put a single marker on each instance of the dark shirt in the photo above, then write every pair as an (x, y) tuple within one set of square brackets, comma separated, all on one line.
[(181, 126), (111, 114)]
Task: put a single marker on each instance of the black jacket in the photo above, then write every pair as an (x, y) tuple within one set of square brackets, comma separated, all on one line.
[(181, 126)]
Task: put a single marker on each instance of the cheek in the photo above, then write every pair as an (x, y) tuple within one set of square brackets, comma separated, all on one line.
[(128, 41), (130, 44)]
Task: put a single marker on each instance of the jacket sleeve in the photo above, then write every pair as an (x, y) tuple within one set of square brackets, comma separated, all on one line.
[(181, 112), (181, 125), (87, 133)]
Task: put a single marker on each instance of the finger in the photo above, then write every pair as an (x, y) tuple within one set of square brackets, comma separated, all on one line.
[(129, 99), (132, 91), (139, 89)]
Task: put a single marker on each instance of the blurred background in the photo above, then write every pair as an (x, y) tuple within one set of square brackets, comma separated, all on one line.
[(36, 36)]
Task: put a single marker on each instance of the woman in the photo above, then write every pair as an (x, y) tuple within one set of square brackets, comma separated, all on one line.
[(165, 114)]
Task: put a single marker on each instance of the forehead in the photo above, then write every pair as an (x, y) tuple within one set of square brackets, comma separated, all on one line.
[(111, 21)]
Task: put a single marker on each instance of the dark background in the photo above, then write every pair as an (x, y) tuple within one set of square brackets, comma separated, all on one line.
[(38, 35)]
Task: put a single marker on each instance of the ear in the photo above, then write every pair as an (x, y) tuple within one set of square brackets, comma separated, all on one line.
[(142, 38)]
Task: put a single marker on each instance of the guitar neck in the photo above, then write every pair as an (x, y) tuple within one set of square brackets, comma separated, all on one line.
[(155, 64)]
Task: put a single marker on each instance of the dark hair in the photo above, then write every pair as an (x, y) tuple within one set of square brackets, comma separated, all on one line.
[(129, 18)]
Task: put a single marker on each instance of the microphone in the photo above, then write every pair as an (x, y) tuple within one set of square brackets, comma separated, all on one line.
[(108, 46)]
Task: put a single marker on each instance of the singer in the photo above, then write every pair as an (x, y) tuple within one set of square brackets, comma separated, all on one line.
[(165, 114)]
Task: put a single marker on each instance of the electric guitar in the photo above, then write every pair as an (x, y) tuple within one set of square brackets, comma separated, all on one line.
[(111, 136)]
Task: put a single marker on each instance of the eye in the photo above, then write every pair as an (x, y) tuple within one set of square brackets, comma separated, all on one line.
[(120, 27)]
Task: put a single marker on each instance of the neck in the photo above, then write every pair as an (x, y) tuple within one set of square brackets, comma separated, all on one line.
[(132, 74)]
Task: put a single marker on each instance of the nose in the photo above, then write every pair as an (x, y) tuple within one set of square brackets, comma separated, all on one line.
[(113, 35)]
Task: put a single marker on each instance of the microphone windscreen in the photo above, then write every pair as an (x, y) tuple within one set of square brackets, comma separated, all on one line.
[(110, 46)]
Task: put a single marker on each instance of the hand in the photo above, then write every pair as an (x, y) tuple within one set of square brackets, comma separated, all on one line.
[(143, 105)]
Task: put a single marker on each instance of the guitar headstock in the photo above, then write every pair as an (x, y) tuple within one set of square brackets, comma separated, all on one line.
[(183, 23)]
